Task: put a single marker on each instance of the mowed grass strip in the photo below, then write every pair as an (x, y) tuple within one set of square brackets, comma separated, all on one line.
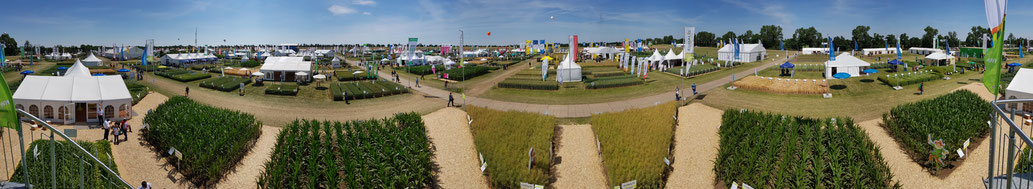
[(504, 138), (635, 142), (776, 151)]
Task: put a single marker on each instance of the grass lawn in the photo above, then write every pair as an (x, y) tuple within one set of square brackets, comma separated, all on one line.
[(862, 98)]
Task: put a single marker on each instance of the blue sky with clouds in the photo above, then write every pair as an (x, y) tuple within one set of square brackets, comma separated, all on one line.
[(172, 22)]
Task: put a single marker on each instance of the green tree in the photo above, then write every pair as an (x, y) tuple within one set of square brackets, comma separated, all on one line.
[(877, 41), (975, 36), (706, 39), (806, 37), (727, 37), (929, 37), (952, 39), (892, 40), (860, 35), (10, 45), (770, 36)]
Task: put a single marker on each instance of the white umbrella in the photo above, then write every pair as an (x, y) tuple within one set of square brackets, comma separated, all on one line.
[(319, 77), (300, 73), (228, 68), (259, 74), (357, 72), (484, 59), (243, 69)]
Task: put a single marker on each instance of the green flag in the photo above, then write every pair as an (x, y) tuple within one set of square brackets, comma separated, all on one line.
[(992, 75), (8, 115)]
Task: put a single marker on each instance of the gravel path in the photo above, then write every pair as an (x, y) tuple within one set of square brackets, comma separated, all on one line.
[(695, 147), (579, 163), (245, 174), (911, 175), (455, 152)]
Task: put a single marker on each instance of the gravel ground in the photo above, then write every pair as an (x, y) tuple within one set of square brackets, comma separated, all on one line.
[(580, 165), (696, 144), (455, 152)]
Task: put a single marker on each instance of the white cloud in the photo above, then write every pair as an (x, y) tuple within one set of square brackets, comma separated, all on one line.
[(367, 13), (365, 2), (340, 10)]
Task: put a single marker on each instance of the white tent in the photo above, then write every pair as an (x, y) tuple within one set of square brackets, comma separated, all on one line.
[(568, 71), (747, 53), (1021, 90), (940, 58), (656, 58), (670, 58), (284, 68), (845, 63), (76, 97), (605, 52), (92, 60), (335, 63)]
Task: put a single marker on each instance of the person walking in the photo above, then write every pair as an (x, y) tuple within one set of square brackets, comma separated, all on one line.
[(418, 83), (125, 130), (106, 125), (677, 96), (187, 91), (345, 94), (921, 88), (114, 133), (693, 88), (451, 101)]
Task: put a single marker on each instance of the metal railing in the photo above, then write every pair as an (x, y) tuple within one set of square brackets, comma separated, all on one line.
[(115, 182), (1011, 161)]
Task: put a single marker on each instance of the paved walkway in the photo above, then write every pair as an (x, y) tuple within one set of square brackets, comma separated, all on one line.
[(576, 110)]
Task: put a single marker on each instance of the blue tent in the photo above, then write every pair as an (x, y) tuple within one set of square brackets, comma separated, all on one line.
[(27, 72), (787, 65), (123, 70), (841, 75), (871, 71), (1013, 64), (98, 74), (895, 62), (62, 68)]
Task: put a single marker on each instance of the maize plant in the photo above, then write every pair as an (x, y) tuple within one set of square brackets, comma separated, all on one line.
[(776, 151), (74, 168), (389, 153), (954, 118), (212, 140)]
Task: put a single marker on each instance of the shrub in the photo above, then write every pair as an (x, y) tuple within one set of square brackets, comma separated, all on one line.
[(954, 117), (469, 72), (634, 144), (289, 89), (418, 70), (504, 138), (211, 139), (351, 76), (390, 153), (67, 164), (608, 74), (366, 89), (529, 84), (776, 151), (136, 90), (906, 79), (183, 75), (694, 70), (225, 84)]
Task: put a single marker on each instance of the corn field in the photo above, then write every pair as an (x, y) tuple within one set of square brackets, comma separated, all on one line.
[(389, 153), (212, 140), (954, 117), (776, 151), (634, 144), (74, 168), (504, 139)]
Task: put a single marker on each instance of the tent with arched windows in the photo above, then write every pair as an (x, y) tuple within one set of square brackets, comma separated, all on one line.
[(74, 98)]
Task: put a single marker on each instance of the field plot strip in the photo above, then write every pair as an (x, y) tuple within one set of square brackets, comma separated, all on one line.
[(580, 165), (695, 147)]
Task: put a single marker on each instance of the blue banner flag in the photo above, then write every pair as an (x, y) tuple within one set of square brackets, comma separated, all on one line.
[(855, 45), (782, 44), (832, 50), (898, 50)]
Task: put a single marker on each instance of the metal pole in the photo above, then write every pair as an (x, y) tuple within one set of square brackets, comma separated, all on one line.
[(53, 164), (62, 135), (21, 149)]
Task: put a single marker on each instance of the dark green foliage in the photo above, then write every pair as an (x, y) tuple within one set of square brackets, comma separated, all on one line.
[(954, 117), (68, 165), (225, 84), (776, 151), (905, 79), (390, 153), (212, 140), (366, 89), (529, 84), (288, 89)]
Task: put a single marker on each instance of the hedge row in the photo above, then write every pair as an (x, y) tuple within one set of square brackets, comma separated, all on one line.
[(282, 89), (908, 79), (183, 75), (469, 72), (366, 89), (225, 84), (529, 84), (418, 70), (351, 76), (610, 83), (608, 74)]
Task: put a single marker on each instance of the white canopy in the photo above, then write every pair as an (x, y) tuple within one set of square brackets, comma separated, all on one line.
[(319, 77), (300, 73), (939, 56), (259, 74), (656, 57), (671, 56), (1024, 87), (847, 60), (76, 87), (568, 71), (286, 64), (77, 69), (92, 60)]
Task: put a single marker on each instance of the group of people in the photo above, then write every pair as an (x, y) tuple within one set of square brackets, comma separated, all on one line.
[(115, 128)]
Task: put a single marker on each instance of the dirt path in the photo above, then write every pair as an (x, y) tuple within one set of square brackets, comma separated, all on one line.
[(696, 143), (911, 175), (276, 111), (245, 175), (579, 163), (455, 153)]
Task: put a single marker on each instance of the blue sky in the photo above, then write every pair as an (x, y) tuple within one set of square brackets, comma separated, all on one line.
[(172, 22)]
